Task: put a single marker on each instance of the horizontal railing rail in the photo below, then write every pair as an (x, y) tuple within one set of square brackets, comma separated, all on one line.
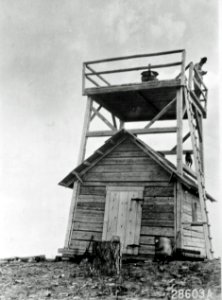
[(90, 74), (134, 56)]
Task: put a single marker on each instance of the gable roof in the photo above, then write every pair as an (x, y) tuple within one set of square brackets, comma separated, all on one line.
[(110, 145)]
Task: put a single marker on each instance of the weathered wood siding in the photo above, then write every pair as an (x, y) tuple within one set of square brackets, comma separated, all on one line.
[(127, 165), (192, 237)]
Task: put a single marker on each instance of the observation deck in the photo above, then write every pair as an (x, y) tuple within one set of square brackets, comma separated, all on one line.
[(130, 99)]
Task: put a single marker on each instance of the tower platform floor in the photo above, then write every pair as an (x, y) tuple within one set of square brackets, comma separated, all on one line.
[(138, 101)]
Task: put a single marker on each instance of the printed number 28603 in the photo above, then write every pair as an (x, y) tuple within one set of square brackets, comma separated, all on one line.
[(191, 294)]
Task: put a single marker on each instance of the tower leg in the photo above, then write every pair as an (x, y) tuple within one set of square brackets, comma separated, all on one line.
[(179, 194), (80, 159)]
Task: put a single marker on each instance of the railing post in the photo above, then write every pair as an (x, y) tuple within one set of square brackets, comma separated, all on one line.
[(183, 67), (190, 81), (83, 78)]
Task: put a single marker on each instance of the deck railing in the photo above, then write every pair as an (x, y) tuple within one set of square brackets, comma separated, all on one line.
[(96, 78), (196, 87)]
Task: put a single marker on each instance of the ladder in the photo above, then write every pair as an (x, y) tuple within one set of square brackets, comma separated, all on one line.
[(200, 174)]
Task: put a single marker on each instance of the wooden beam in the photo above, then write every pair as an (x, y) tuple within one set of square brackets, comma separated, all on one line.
[(86, 163), (198, 124), (190, 171), (184, 104), (97, 74), (157, 130), (121, 124), (77, 176), (85, 129), (199, 87), (83, 78), (93, 81), (201, 80), (103, 119), (179, 147), (134, 87), (159, 115), (170, 152), (151, 105), (183, 140), (201, 143), (183, 67), (196, 102), (179, 150), (113, 71), (134, 56), (114, 120), (195, 223), (178, 76), (94, 114)]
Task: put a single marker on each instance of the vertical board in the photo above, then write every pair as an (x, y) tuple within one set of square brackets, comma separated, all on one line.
[(122, 218), (138, 221)]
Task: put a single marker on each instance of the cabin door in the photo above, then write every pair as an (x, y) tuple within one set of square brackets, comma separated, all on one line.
[(123, 211)]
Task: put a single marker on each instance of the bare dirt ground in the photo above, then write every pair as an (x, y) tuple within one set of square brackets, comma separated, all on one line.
[(148, 280)]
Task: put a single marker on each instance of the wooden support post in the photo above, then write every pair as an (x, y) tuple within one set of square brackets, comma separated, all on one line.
[(179, 149), (83, 78), (121, 124), (183, 140), (85, 130), (114, 121), (183, 67), (80, 159), (179, 131)]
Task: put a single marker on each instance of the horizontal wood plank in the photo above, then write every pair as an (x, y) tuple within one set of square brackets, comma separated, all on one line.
[(157, 222), (147, 240), (126, 160), (157, 231), (164, 191), (126, 176), (90, 226), (157, 208), (98, 198), (118, 154), (121, 168), (97, 206), (147, 249), (128, 183), (158, 200), (93, 190), (86, 235), (162, 216)]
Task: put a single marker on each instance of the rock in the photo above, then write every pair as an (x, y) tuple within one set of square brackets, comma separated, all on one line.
[(180, 283), (161, 268), (48, 294), (184, 268)]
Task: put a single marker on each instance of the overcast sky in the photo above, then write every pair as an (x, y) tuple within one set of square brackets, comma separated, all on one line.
[(43, 45)]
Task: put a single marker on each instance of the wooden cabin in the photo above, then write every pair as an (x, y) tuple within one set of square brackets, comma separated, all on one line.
[(127, 189)]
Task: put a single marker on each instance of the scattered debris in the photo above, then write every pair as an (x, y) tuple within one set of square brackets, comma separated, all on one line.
[(149, 280)]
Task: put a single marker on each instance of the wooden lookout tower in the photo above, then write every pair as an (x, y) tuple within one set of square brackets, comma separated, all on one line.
[(127, 188)]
